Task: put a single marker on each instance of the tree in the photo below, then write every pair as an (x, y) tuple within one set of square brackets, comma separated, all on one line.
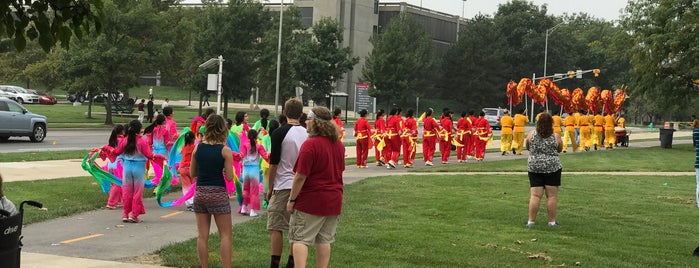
[(46, 72), (318, 60), (474, 69), (663, 54), (522, 26), (401, 65), (233, 32), (49, 21), (292, 30), (113, 59)]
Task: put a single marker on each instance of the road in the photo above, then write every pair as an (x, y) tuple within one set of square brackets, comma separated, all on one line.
[(58, 140), (79, 139)]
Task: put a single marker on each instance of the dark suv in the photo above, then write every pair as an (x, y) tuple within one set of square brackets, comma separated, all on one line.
[(18, 121)]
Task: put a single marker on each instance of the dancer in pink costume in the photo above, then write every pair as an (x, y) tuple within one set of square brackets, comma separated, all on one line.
[(250, 154), (134, 151), (114, 166)]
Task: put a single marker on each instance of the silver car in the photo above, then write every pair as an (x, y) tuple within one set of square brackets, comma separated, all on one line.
[(18, 121), (493, 116), (20, 94)]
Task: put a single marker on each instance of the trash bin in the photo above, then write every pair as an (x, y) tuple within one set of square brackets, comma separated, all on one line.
[(666, 137)]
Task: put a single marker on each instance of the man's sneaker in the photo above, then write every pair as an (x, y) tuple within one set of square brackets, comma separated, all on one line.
[(529, 224), (503, 152), (252, 213), (514, 151), (243, 210), (391, 164), (554, 224), (190, 208), (595, 147), (429, 163)]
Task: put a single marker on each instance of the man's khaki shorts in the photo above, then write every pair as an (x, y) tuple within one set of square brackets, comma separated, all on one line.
[(277, 216), (310, 229)]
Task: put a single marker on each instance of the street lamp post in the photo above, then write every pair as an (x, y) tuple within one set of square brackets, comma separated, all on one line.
[(458, 20), (210, 63), (279, 58), (546, 45)]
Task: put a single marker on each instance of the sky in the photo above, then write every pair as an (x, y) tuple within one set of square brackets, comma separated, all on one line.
[(605, 9)]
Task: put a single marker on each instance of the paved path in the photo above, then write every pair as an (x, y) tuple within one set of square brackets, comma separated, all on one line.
[(98, 238)]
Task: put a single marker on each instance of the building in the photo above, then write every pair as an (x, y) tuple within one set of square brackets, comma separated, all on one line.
[(363, 19)]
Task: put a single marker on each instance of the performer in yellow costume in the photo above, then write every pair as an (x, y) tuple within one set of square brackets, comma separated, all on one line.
[(609, 136), (557, 122), (518, 136), (506, 124), (569, 134), (598, 130), (585, 132)]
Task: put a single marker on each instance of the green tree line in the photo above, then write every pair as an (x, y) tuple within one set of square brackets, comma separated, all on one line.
[(650, 51)]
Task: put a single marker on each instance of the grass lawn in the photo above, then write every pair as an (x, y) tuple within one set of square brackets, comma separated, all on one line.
[(478, 221), (69, 116), (472, 220), (652, 159)]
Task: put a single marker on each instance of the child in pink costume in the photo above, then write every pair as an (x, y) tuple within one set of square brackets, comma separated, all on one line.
[(159, 138), (185, 175), (114, 166), (135, 151), (250, 153)]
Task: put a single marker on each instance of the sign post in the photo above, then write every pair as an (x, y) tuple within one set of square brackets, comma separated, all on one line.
[(362, 100)]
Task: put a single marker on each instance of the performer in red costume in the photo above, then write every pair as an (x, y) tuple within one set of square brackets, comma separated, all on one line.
[(463, 133), (409, 139), (429, 136), (446, 134), (394, 126), (377, 137), (362, 130)]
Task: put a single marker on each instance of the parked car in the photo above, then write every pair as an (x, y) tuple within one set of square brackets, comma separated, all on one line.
[(493, 116), (7, 95), (17, 121), (20, 94), (45, 98), (99, 98)]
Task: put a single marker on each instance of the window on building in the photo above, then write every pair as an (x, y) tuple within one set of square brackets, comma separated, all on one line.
[(376, 6), (376, 31), (306, 16)]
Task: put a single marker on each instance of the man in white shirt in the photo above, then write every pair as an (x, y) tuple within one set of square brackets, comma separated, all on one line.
[(165, 103), (286, 143)]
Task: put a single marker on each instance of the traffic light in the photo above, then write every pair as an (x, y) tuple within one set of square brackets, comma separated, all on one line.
[(596, 72)]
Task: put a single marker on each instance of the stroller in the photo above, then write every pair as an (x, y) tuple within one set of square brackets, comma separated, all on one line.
[(11, 235), (622, 137)]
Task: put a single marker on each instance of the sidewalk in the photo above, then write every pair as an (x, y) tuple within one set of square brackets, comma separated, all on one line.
[(48, 244)]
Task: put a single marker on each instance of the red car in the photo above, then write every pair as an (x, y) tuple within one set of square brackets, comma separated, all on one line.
[(44, 98), (47, 99)]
